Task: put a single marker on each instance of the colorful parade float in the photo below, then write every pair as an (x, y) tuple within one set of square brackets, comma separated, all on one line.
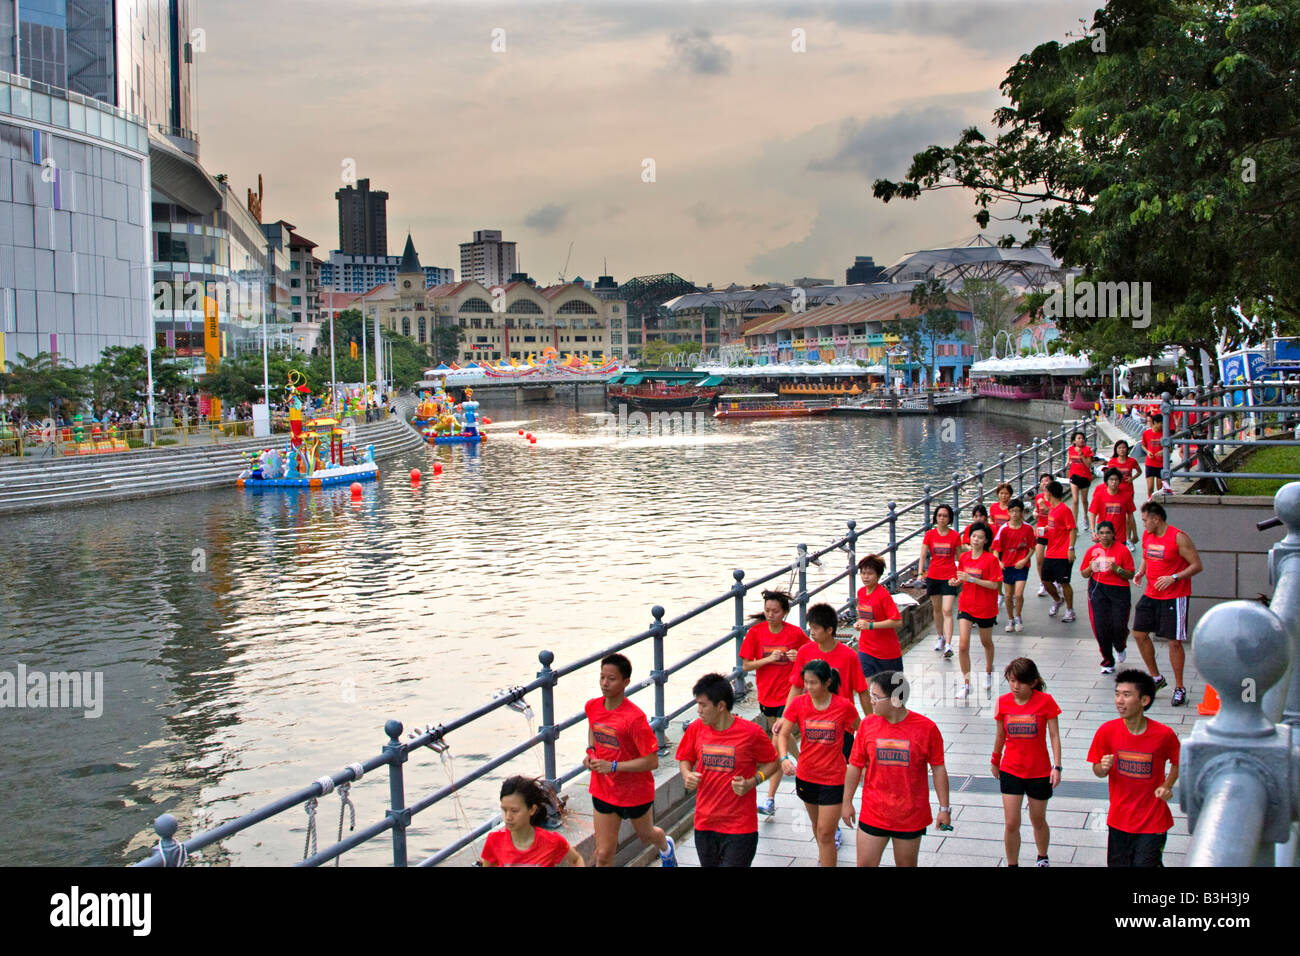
[(444, 422), (312, 458)]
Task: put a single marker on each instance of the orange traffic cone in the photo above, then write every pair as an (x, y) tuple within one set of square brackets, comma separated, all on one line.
[(1209, 705)]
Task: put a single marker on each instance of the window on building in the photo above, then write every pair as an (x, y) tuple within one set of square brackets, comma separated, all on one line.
[(420, 328), (476, 323), (579, 338), (406, 326), (530, 338), (480, 339), (487, 323)]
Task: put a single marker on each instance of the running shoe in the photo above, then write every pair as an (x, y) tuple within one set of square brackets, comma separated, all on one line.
[(1119, 656), (1020, 625), (1107, 670), (670, 858), (767, 807), (1161, 682), (1056, 606), (964, 692), (1011, 625), (1068, 616), (947, 651), (988, 681), (1043, 862), (839, 838), (938, 644), (1042, 590), (1179, 698)]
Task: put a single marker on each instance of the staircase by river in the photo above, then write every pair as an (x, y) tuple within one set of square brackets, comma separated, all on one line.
[(31, 484)]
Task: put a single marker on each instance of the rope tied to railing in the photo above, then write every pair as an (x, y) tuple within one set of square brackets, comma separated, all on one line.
[(310, 843), (181, 853)]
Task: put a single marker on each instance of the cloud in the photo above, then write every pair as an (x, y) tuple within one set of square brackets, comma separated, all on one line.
[(699, 52), (548, 218), (876, 148)]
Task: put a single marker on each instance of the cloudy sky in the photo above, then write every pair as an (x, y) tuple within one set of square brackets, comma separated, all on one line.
[(763, 156)]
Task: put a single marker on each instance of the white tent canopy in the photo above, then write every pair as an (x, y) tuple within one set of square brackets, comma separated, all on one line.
[(1057, 365)]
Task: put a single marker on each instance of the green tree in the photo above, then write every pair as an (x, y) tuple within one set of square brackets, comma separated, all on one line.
[(995, 309), (1161, 147), (661, 353), (911, 336), (445, 343), (120, 377), (42, 384), (938, 320)]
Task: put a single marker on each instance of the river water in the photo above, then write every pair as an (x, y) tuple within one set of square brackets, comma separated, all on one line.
[(249, 643)]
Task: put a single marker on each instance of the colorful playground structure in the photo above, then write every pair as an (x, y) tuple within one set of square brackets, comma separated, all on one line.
[(303, 463)]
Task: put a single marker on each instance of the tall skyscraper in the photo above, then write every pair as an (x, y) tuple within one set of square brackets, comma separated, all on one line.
[(488, 259), (363, 220)]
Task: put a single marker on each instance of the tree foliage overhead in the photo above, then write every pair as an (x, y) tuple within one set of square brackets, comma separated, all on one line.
[(1162, 147)]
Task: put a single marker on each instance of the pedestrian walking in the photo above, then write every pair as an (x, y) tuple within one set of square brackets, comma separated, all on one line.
[(1108, 568), (937, 566), (1169, 560), (1026, 719)]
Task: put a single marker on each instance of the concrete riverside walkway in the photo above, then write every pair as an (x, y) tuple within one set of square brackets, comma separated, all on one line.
[(1070, 663)]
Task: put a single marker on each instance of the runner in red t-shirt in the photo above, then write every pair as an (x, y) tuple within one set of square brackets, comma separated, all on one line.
[(1026, 718), (1014, 543), (999, 513), (937, 564), (1079, 456), (1132, 753), (768, 651), (1042, 508), (521, 843), (1152, 444), (1130, 468), (979, 573), (822, 621), (892, 751), (978, 515), (622, 755), (1058, 558), (1108, 568), (1169, 559), (824, 719), (1109, 503), (723, 758), (878, 620)]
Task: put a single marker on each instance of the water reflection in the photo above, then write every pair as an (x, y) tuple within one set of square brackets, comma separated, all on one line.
[(251, 642)]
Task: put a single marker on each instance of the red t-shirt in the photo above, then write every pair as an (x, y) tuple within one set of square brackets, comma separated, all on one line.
[(1162, 558), (1077, 467), (1130, 468), (1155, 451), (1116, 556), (1042, 508), (845, 662), (1059, 525), (1112, 508), (975, 600), (998, 515), (772, 680), (1014, 544), (1139, 768), (878, 606), (621, 734), (548, 849), (821, 738), (943, 554), (1025, 752), (717, 757), (895, 758)]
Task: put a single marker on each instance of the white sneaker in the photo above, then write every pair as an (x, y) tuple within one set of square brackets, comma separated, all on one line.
[(947, 651), (1107, 670), (938, 644), (1020, 625), (1068, 616), (1042, 590), (988, 681), (963, 692), (1056, 606), (1120, 655), (1011, 625)]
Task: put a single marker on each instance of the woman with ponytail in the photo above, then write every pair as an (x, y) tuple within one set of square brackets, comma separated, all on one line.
[(1026, 718), (522, 843)]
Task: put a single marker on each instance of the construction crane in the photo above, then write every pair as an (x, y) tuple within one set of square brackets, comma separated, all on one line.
[(565, 270)]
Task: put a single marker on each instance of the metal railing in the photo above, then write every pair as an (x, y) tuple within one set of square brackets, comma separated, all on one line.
[(1240, 785), (1218, 418), (1021, 471)]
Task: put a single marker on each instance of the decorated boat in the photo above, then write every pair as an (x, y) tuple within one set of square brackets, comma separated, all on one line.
[(766, 405), (658, 390), (447, 423)]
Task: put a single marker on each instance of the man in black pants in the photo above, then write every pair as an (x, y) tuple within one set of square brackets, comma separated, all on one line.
[(1108, 568)]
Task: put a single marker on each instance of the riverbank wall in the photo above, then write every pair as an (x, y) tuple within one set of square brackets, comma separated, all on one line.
[(1033, 410)]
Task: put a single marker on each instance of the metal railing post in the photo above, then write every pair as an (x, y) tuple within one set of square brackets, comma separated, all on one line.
[(1020, 470), (547, 730), (660, 677), (929, 498), (956, 501), (803, 586), (397, 811), (1051, 461), (172, 852), (979, 480), (738, 589), (853, 559), (1038, 467), (1002, 467), (893, 543), (1166, 442)]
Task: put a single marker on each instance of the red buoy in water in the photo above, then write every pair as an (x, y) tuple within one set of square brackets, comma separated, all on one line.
[(521, 431), (415, 476), (487, 421), (532, 439), (356, 489), (437, 468)]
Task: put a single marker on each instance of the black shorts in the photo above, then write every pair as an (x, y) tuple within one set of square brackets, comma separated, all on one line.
[(1057, 570), (1080, 481), (1036, 788), (869, 830), (725, 849), (877, 665), (1153, 471), (1041, 539), (819, 794), (937, 587), (776, 711), (625, 813), (977, 621), (1135, 849), (1165, 618)]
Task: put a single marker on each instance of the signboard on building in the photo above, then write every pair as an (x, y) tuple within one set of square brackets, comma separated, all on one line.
[(212, 353)]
